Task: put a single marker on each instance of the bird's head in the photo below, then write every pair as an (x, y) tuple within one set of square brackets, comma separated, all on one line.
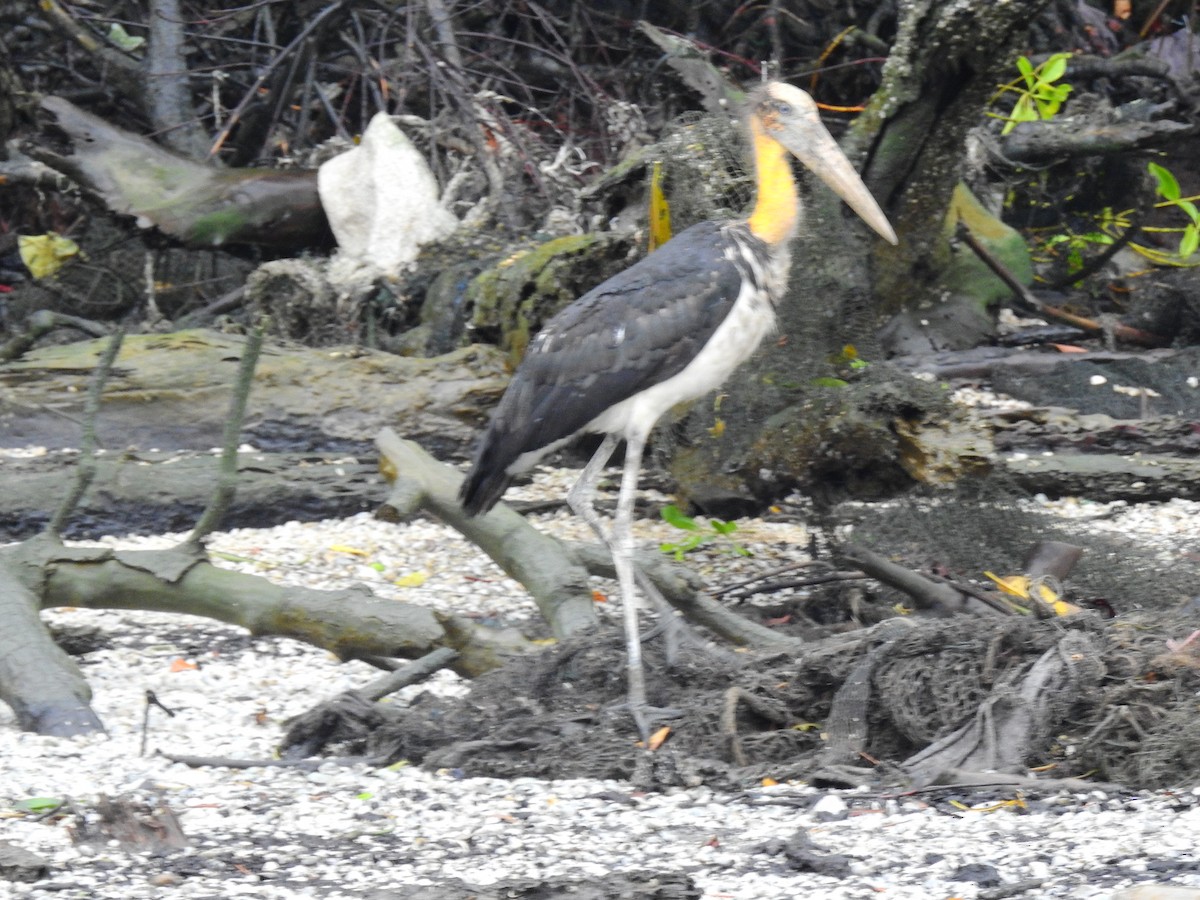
[(789, 116)]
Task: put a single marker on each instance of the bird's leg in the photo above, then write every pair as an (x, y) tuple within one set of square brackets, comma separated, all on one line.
[(581, 497), (622, 551)]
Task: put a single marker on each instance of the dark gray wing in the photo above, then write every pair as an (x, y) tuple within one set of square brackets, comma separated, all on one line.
[(635, 330)]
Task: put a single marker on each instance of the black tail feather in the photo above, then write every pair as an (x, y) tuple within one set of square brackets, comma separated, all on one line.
[(482, 489)]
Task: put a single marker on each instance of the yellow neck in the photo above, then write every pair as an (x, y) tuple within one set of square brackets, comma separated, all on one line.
[(777, 207)]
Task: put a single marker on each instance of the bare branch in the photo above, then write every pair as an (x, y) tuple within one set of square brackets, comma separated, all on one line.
[(85, 470), (227, 471)]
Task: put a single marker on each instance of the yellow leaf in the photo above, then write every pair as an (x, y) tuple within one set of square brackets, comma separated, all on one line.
[(660, 210), (353, 551), (1019, 585), (769, 782), (718, 428), (412, 579), (1016, 585), (44, 254)]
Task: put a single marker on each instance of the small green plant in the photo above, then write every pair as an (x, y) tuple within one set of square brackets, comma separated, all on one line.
[(1168, 189), (697, 534), (1039, 94), (1075, 244), (1111, 225)]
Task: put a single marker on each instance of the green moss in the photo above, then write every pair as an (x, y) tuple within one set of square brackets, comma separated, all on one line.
[(517, 295), (215, 229)]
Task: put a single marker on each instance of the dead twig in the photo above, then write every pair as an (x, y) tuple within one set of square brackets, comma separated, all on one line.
[(1121, 332), (268, 71)]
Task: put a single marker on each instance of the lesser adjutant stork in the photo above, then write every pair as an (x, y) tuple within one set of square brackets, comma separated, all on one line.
[(668, 329)]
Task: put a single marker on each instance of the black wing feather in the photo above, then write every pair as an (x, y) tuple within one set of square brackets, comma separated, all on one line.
[(641, 327)]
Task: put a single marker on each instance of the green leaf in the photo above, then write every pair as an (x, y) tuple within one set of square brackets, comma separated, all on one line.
[(1190, 208), (1055, 67), (1046, 108), (673, 515), (1025, 67), (830, 382), (1167, 185), (39, 804), (123, 39), (722, 527), (1190, 241), (1024, 111)]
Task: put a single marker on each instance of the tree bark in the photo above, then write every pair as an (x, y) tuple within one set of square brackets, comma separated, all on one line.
[(944, 64)]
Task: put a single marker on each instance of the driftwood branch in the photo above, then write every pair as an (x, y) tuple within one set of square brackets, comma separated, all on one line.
[(554, 573), (198, 204), (348, 622), (926, 593), (1054, 139), (685, 591), (44, 687), (41, 683), (557, 582)]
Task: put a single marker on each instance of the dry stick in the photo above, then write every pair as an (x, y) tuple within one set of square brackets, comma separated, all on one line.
[(85, 471), (1096, 263), (927, 593), (268, 70), (40, 323), (761, 706), (462, 96), (733, 590), (415, 671), (227, 469), (1122, 332), (228, 301)]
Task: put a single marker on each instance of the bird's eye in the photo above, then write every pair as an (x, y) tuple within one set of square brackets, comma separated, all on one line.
[(784, 109)]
